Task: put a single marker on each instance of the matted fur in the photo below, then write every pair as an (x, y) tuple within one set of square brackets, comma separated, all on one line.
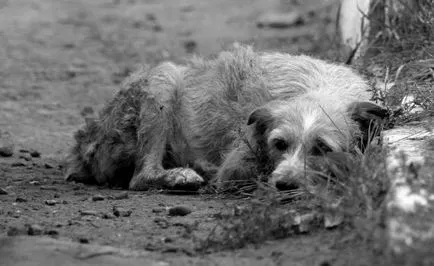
[(241, 115)]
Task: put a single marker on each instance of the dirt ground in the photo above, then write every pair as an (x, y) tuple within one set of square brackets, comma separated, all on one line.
[(61, 59)]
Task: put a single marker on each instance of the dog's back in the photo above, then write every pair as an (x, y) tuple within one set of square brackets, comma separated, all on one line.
[(218, 95)]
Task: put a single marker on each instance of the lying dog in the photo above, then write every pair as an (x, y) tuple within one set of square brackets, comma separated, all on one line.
[(237, 117)]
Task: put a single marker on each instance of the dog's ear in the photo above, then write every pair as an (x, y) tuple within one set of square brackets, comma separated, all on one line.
[(262, 118), (370, 118)]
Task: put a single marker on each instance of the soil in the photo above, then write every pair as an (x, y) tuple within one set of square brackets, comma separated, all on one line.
[(61, 60)]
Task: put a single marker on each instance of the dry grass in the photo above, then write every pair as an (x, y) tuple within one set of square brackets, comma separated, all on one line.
[(353, 194), (399, 58)]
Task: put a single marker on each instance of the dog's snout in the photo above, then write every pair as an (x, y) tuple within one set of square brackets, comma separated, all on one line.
[(283, 185)]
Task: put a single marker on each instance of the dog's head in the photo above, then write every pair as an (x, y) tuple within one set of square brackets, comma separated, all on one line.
[(298, 132), (79, 161)]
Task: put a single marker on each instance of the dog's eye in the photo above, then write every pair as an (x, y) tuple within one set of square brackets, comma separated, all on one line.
[(281, 144), (321, 148)]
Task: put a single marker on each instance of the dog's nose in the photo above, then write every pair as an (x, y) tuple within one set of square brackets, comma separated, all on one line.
[(286, 185)]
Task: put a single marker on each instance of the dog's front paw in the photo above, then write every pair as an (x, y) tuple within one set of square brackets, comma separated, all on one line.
[(172, 179), (182, 179)]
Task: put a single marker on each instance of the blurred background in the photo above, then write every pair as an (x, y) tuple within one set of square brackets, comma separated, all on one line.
[(61, 60)]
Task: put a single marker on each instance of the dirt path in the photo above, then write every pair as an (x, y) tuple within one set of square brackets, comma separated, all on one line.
[(59, 59)]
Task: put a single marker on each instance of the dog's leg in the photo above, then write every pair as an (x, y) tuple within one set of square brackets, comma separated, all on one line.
[(240, 169), (156, 130)]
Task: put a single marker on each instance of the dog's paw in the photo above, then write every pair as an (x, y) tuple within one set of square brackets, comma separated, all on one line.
[(182, 179), (172, 179)]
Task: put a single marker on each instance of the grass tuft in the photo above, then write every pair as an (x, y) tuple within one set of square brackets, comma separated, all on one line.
[(353, 191)]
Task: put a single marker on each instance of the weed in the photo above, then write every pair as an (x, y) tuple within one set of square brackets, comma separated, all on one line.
[(352, 190), (399, 57)]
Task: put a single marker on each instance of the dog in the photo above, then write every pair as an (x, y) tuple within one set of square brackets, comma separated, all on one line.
[(231, 119)]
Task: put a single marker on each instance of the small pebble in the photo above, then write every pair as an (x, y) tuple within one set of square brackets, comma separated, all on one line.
[(19, 199), (52, 232), (34, 230), (35, 153), (25, 157), (167, 239), (50, 202), (190, 46), (179, 211), (89, 212), (58, 225), (83, 240), (35, 183), (18, 164), (281, 20), (107, 216), (121, 212), (23, 150), (304, 222), (53, 188), (332, 220), (158, 210), (98, 197), (48, 166), (7, 151), (3, 192), (120, 196)]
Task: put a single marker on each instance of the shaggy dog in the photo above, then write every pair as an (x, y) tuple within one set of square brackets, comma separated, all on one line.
[(235, 118)]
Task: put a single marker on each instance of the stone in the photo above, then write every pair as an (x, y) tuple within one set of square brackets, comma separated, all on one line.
[(50, 202), (6, 151), (35, 153), (280, 20), (332, 220), (20, 199), (83, 240), (48, 166), (88, 212), (34, 230), (120, 196), (107, 216), (18, 164), (121, 212), (98, 197), (158, 210), (52, 232), (6, 144), (25, 157), (179, 211), (190, 46)]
